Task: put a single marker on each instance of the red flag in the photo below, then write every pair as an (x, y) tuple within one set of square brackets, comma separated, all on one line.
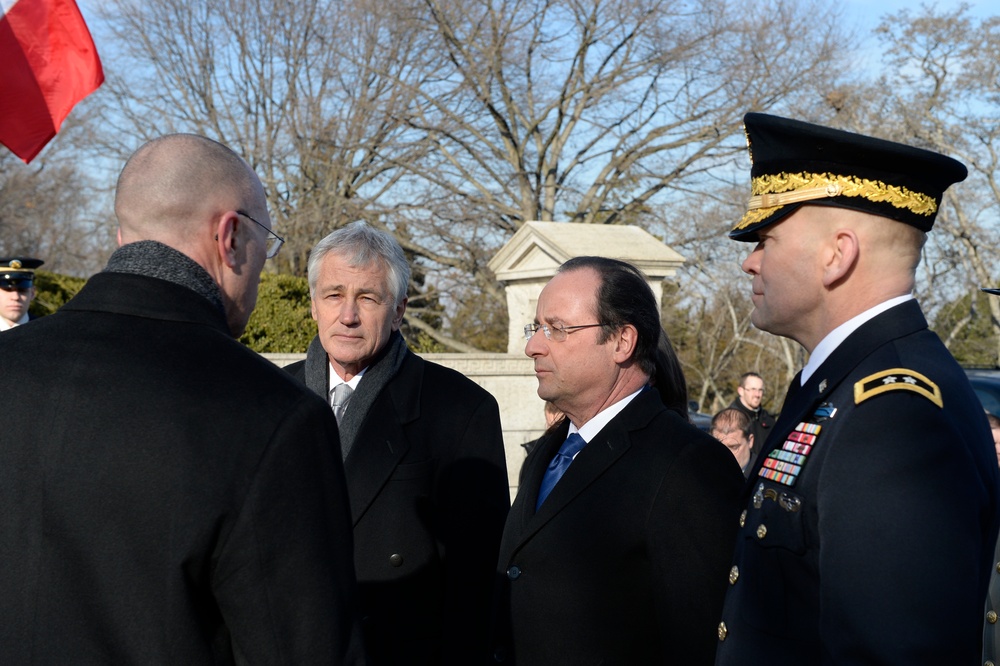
[(48, 63)]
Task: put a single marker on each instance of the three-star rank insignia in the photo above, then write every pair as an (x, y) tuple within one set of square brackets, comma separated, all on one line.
[(896, 379)]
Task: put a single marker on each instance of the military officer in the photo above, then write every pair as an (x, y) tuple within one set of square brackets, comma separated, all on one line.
[(991, 628), (17, 289), (871, 515)]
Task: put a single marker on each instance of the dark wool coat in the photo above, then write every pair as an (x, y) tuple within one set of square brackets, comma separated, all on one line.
[(625, 562), (870, 541), (427, 480), (166, 495)]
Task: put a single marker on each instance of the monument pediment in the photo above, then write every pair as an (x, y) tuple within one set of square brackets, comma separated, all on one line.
[(538, 248)]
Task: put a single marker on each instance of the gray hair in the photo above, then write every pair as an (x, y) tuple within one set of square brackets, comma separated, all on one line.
[(364, 245)]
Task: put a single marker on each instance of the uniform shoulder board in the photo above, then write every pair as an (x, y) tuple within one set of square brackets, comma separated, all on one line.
[(896, 379)]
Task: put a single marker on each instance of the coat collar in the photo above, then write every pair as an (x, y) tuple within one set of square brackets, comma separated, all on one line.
[(382, 442), (601, 452)]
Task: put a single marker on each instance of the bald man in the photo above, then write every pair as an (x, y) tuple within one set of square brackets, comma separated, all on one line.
[(871, 513), (171, 497)]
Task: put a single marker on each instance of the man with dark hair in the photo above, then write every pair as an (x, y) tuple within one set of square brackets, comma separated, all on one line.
[(734, 429), (423, 454), (616, 547), (17, 290), (171, 497), (749, 400), (871, 514)]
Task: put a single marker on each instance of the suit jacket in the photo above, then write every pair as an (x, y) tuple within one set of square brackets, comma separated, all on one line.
[(427, 480), (869, 541), (166, 495), (624, 563)]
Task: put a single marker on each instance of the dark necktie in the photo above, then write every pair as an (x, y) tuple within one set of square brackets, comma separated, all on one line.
[(559, 465), (341, 395)]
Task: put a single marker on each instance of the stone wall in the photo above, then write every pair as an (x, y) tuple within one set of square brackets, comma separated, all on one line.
[(511, 380)]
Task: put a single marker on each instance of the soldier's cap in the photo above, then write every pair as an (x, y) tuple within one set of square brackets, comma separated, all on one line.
[(990, 291), (18, 272), (796, 163)]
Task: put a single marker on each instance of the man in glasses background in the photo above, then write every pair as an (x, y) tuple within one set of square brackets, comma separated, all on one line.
[(17, 290), (617, 545), (171, 497)]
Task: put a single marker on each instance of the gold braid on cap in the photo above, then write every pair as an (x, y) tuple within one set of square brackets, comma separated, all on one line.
[(772, 191)]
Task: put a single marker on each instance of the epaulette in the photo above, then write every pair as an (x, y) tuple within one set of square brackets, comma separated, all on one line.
[(896, 379)]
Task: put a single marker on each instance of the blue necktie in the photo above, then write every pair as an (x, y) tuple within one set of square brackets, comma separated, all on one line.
[(559, 465)]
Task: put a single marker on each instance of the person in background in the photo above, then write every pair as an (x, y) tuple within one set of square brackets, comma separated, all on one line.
[(171, 497), (749, 399), (17, 290), (877, 490), (616, 546), (734, 429), (423, 454)]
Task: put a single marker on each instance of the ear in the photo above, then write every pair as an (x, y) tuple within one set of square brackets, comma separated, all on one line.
[(312, 308), (397, 319), (750, 439), (625, 341), (841, 257), (225, 238), (119, 235)]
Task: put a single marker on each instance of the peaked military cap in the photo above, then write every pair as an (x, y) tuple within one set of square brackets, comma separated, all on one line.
[(991, 291), (18, 272), (797, 163)]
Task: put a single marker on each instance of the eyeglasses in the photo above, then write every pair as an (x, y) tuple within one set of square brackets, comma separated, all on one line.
[(275, 241), (554, 333)]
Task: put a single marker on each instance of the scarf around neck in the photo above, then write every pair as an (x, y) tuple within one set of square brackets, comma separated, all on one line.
[(376, 377)]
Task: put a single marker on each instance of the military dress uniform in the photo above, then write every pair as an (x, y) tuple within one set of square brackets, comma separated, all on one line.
[(871, 513)]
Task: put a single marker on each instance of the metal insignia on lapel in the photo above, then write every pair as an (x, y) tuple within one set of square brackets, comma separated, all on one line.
[(822, 386), (897, 379), (824, 412)]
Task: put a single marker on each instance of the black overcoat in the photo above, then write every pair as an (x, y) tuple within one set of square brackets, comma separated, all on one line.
[(427, 480), (875, 548), (167, 496), (624, 563)]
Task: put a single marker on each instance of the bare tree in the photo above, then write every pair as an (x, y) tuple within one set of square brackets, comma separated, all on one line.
[(452, 122)]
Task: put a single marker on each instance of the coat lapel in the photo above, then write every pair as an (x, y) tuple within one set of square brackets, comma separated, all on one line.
[(382, 443), (603, 451)]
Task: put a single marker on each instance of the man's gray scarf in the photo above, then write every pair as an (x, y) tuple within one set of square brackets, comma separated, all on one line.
[(376, 377), (154, 259)]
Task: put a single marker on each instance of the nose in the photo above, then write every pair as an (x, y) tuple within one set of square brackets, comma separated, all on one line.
[(751, 265), (536, 344), (348, 312)]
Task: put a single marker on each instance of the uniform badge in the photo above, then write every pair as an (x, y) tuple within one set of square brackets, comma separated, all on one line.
[(896, 379), (784, 465)]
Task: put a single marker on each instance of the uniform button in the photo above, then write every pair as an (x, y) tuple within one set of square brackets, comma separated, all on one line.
[(396, 560), (734, 575), (988, 662), (991, 617), (743, 521), (723, 631), (761, 531), (998, 567), (514, 572)]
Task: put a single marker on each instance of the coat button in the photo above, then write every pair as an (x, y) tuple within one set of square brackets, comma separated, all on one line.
[(514, 572), (723, 631), (743, 518), (396, 560), (734, 575), (761, 531), (991, 617), (988, 662), (998, 567)]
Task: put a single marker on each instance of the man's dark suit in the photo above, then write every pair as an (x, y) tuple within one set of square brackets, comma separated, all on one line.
[(428, 488), (166, 495), (872, 543), (625, 561)]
